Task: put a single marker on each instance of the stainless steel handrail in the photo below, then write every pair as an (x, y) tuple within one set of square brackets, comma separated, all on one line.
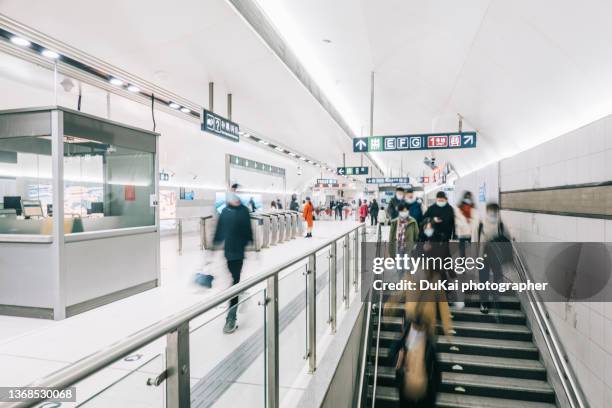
[(380, 307), (93, 363), (568, 379)]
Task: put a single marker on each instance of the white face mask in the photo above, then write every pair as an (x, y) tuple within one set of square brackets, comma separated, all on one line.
[(429, 232), (440, 203), (410, 200), (399, 196), (404, 214)]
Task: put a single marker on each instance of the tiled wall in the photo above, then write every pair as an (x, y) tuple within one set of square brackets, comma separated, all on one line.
[(579, 157)]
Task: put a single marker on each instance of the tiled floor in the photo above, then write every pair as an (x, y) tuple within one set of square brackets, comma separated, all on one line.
[(33, 348)]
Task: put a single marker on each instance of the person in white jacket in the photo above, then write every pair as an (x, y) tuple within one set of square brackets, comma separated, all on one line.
[(466, 221)]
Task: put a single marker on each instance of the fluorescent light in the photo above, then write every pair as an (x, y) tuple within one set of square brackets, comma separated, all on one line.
[(116, 81), (50, 54), (22, 42), (280, 149), (133, 88), (174, 105), (263, 142), (303, 158), (185, 110), (292, 154)]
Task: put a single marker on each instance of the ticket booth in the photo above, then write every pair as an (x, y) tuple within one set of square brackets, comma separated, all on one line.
[(79, 226)]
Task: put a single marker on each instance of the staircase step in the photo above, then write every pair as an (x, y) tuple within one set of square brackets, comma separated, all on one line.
[(446, 400), (486, 365), (502, 302), (389, 323), (384, 356), (388, 338), (491, 330), (473, 314), (487, 347), (386, 397), (497, 387)]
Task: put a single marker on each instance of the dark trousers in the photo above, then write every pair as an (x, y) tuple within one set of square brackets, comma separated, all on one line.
[(485, 275), (235, 267), (374, 218), (462, 242)]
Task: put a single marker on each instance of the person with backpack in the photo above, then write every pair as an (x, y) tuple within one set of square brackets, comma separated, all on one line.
[(363, 210), (234, 231), (493, 246)]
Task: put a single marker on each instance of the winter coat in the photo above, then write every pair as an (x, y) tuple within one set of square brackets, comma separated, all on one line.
[(445, 230), (363, 210), (416, 210), (374, 209), (464, 227), (234, 229), (294, 206), (411, 235), (392, 212), (308, 214)]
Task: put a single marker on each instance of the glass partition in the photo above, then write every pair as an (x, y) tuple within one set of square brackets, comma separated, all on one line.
[(25, 184)]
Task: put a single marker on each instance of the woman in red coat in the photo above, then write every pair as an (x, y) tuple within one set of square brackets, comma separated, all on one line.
[(308, 217), (363, 211)]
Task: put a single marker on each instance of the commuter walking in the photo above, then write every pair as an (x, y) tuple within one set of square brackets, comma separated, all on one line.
[(252, 204), (403, 234), (234, 231), (465, 222), (273, 205), (339, 206), (491, 238), (443, 218), (294, 205), (279, 205), (308, 217), (363, 211), (415, 206), (374, 212), (392, 211), (382, 216)]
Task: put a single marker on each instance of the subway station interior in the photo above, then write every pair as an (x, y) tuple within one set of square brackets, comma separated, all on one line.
[(213, 203)]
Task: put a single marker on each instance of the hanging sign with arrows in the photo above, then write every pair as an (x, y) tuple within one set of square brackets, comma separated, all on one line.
[(352, 171), (429, 141), (388, 180)]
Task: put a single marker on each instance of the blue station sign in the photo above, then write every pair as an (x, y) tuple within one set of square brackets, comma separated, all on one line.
[(429, 141), (352, 171)]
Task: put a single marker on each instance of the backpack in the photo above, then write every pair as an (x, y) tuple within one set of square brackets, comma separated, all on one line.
[(500, 247)]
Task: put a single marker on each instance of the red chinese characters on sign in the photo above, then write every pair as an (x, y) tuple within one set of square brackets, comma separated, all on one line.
[(437, 141), (454, 141)]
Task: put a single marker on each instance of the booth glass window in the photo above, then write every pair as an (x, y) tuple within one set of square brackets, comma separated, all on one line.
[(106, 186), (25, 185)]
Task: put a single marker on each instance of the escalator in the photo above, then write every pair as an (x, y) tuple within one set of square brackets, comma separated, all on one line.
[(490, 362)]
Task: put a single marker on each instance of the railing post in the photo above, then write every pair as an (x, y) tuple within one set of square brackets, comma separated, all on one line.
[(346, 271), (333, 289), (178, 388), (272, 350), (355, 262), (180, 236), (312, 312), (202, 233)]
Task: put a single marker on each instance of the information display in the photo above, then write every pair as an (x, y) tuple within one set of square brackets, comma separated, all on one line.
[(352, 171), (429, 141)]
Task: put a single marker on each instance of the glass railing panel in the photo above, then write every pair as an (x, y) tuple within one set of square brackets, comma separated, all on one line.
[(322, 298)]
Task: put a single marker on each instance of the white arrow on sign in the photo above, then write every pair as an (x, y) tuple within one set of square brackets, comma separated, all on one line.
[(361, 145), (469, 139), (341, 170)]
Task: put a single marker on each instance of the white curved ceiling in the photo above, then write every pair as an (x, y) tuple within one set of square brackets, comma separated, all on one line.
[(520, 72)]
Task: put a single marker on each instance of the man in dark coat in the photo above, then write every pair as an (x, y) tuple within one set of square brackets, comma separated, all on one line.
[(233, 229), (443, 218)]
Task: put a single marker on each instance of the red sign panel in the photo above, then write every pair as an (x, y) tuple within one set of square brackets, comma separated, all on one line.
[(437, 141)]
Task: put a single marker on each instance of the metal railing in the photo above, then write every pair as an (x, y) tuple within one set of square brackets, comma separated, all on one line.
[(176, 329), (571, 387)]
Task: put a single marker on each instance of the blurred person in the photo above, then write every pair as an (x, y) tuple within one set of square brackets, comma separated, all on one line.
[(279, 205), (443, 218), (491, 238), (273, 205), (339, 206), (382, 216), (308, 211), (363, 211), (294, 205), (252, 204), (415, 205), (394, 202), (403, 234), (465, 222), (234, 231), (374, 212)]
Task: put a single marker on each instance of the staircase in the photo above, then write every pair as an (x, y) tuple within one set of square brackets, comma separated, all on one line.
[(490, 362)]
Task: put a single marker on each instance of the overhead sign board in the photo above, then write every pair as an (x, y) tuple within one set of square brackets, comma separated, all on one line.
[(352, 171), (327, 181), (429, 141), (255, 165), (220, 126), (388, 180)]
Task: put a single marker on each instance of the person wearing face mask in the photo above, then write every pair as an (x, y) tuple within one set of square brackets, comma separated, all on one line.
[(404, 232), (392, 208), (466, 220), (443, 217), (489, 233), (415, 206)]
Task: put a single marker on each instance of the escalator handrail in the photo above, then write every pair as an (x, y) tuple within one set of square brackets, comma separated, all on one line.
[(568, 379)]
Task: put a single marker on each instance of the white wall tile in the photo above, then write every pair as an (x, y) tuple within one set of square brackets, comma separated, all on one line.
[(590, 230), (597, 328)]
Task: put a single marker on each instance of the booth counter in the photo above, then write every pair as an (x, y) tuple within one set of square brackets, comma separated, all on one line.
[(79, 226)]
